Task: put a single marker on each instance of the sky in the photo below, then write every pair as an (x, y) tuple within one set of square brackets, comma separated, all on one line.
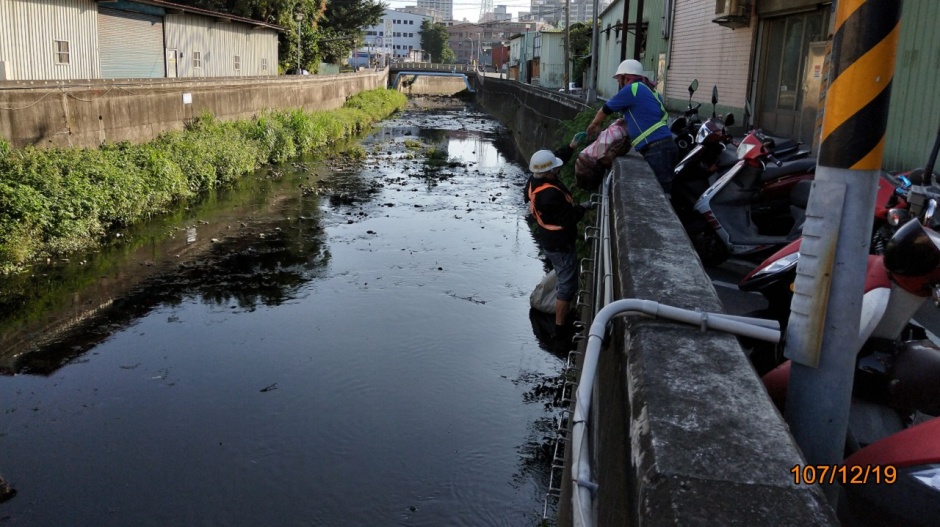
[(470, 9)]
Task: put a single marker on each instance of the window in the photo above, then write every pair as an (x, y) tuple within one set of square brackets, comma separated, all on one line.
[(62, 52), (197, 59), (264, 64), (238, 62)]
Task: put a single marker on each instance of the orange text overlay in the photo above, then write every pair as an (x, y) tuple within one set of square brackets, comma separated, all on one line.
[(843, 475)]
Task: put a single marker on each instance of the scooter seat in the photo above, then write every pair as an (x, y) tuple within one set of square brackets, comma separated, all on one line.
[(799, 196), (772, 171)]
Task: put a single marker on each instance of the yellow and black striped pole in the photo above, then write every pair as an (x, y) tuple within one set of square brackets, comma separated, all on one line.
[(828, 291), (862, 66)]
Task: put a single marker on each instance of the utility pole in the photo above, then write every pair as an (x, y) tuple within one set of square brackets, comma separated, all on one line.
[(823, 334), (637, 30), (590, 92), (567, 46), (623, 34), (298, 16)]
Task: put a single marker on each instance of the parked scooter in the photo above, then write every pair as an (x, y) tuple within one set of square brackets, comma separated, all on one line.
[(896, 382), (900, 198), (712, 152), (684, 128), (907, 490), (752, 208)]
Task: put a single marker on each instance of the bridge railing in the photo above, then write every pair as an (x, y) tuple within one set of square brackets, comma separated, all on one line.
[(433, 66)]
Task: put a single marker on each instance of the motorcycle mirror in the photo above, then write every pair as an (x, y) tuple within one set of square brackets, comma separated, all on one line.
[(714, 100), (693, 87), (729, 119)]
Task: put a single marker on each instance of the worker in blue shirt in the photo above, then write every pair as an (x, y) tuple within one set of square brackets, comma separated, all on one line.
[(645, 116)]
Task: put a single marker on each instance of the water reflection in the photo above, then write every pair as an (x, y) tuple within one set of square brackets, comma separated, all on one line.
[(347, 348)]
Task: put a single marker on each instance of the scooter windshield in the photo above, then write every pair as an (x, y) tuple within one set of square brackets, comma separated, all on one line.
[(913, 250)]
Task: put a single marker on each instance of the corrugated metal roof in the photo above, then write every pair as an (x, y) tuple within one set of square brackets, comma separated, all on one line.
[(206, 12)]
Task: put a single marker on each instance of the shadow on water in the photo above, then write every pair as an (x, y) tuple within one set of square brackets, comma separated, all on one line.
[(235, 245), (328, 328)]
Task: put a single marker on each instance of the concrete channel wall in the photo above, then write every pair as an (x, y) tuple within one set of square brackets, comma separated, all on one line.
[(88, 113), (685, 432)]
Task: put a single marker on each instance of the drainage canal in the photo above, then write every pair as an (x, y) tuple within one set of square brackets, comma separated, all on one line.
[(342, 342)]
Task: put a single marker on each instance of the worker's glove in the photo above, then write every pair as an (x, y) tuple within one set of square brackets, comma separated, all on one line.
[(588, 205), (578, 139)]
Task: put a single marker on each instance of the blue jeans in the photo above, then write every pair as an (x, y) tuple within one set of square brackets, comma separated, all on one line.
[(565, 264), (661, 157)]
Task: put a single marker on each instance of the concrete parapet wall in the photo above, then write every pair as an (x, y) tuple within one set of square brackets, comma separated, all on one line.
[(534, 115), (687, 433), (88, 113)]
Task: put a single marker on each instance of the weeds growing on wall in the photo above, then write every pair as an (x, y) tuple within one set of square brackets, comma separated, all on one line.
[(56, 201)]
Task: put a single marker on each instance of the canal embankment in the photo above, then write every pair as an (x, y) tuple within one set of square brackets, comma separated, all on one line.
[(91, 112)]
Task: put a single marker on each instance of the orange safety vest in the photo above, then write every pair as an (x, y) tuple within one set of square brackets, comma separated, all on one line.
[(535, 213)]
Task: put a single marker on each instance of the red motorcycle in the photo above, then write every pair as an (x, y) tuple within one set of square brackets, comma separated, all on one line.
[(897, 383), (753, 207)]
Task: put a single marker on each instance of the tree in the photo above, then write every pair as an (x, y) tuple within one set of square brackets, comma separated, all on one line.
[(435, 41), (341, 28), (580, 50)]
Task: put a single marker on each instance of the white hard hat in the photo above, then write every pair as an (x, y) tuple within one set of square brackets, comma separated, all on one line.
[(543, 161), (630, 67)]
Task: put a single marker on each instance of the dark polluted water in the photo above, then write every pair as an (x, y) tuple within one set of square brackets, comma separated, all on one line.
[(328, 343)]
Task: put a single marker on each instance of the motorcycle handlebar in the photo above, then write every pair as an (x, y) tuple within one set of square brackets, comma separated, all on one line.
[(774, 160)]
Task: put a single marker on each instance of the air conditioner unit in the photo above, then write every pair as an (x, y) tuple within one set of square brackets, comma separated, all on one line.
[(732, 13)]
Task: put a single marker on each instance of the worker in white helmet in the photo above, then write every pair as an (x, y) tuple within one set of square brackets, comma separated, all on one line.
[(645, 116), (553, 208)]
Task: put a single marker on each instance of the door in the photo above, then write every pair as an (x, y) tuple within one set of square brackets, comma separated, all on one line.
[(812, 81), (785, 106), (130, 45), (171, 63)]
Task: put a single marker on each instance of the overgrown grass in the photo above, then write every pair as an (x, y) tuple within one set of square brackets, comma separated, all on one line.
[(56, 201)]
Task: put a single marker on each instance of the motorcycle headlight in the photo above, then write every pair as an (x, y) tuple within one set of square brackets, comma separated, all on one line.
[(782, 264), (702, 134), (744, 149), (928, 475), (898, 217)]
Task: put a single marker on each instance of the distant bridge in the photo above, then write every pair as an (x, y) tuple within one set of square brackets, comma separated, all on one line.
[(412, 75)]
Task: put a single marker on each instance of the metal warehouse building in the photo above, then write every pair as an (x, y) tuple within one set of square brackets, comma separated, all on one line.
[(84, 39)]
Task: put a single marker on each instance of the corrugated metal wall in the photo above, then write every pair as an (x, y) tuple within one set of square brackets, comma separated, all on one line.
[(29, 29), (914, 115), (609, 47), (130, 45), (219, 43)]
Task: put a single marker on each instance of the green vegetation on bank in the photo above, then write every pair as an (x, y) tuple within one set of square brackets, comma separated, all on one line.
[(56, 201)]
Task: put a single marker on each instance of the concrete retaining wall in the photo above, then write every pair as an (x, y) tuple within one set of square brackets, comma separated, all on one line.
[(88, 113), (534, 115)]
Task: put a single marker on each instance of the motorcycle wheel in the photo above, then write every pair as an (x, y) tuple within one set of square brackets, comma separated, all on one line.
[(710, 248), (764, 356)]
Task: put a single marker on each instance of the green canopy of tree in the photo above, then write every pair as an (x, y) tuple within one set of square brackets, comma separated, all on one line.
[(580, 49), (341, 28), (435, 41)]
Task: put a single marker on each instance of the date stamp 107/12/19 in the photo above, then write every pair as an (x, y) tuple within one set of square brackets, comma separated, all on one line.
[(843, 475)]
